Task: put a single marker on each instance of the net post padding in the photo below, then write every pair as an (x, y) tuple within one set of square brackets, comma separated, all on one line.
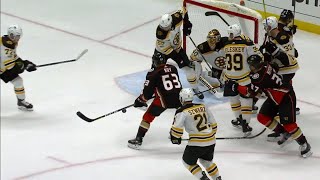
[(230, 9)]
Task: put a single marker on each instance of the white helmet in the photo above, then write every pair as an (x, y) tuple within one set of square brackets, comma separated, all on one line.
[(234, 30), (270, 23), (186, 94), (14, 32), (166, 21)]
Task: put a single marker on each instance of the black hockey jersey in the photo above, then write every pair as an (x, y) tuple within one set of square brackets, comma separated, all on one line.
[(268, 81), (164, 82)]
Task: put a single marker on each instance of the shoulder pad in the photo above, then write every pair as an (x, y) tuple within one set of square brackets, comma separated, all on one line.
[(7, 42), (204, 47), (161, 34)]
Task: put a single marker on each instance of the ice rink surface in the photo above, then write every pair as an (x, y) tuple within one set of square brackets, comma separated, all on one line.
[(52, 143)]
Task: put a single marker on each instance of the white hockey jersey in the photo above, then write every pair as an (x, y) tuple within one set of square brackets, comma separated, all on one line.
[(237, 53), (198, 122), (167, 41), (8, 54)]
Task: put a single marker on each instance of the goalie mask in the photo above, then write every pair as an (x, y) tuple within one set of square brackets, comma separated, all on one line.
[(286, 16), (158, 59), (213, 37), (186, 95), (14, 32), (234, 31), (255, 62)]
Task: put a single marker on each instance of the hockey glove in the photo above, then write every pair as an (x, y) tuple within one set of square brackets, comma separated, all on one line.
[(140, 102), (175, 140), (19, 66), (272, 48), (187, 26), (267, 57), (29, 66), (275, 66), (230, 88), (293, 29)]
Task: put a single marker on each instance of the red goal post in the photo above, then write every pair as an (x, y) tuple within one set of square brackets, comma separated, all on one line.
[(249, 20)]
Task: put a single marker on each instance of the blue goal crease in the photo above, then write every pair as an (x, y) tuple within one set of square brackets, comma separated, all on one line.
[(133, 84)]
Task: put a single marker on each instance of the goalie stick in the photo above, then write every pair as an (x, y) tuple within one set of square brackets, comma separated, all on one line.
[(124, 110), (214, 13), (66, 61), (245, 137)]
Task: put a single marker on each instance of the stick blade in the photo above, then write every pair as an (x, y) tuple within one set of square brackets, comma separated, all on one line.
[(83, 117), (210, 13), (82, 53)]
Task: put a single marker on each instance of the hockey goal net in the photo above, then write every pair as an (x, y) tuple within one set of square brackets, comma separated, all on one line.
[(206, 15)]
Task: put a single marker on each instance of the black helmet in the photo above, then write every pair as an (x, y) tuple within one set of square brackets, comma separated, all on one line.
[(286, 15), (158, 59), (255, 61)]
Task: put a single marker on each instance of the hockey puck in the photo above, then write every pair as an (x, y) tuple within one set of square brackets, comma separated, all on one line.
[(124, 110)]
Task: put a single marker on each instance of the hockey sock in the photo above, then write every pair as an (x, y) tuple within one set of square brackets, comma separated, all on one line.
[(295, 132), (211, 168), (18, 88), (143, 128), (194, 169), (270, 123)]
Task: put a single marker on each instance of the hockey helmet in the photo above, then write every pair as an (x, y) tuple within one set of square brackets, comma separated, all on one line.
[(166, 21), (286, 16), (234, 31), (270, 23), (213, 37), (255, 62), (158, 59), (186, 95), (14, 32)]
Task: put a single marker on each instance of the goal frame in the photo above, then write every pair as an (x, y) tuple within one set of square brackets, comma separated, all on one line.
[(197, 3)]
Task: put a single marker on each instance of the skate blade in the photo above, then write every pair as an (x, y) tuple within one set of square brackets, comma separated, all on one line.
[(306, 155), (22, 108), (133, 146), (288, 141), (237, 126), (273, 139), (246, 134)]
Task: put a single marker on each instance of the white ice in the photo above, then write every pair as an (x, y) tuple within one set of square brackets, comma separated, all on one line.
[(52, 143)]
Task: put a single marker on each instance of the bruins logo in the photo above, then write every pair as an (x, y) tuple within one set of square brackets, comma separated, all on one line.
[(159, 33), (283, 37), (220, 62), (176, 39)]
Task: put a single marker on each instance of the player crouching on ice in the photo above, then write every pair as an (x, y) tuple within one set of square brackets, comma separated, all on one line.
[(12, 65), (202, 127), (281, 99)]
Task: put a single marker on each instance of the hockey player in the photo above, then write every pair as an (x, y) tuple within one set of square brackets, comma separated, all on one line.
[(169, 43), (281, 100), (199, 122), (280, 52), (237, 50), (212, 51), (12, 65), (163, 81)]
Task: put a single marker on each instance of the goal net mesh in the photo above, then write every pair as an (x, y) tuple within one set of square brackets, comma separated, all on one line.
[(202, 14)]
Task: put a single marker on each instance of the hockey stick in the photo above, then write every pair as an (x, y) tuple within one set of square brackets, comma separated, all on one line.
[(214, 13), (82, 116), (246, 137), (66, 61), (123, 110)]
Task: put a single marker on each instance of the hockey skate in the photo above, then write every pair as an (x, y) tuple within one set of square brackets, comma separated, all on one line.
[(285, 138), (305, 150), (255, 109), (246, 129), (135, 143), (273, 137), (24, 105), (237, 122), (297, 111), (204, 176), (198, 93)]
